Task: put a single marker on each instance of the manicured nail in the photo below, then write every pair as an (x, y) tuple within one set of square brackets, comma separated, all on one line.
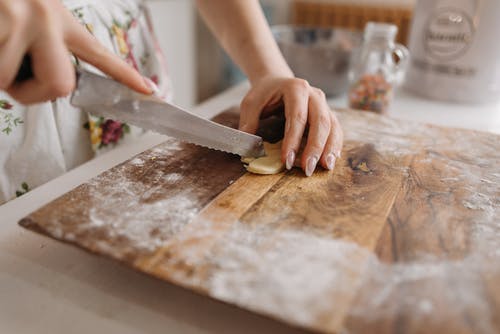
[(311, 165), (290, 159), (330, 161), (152, 86), (243, 127)]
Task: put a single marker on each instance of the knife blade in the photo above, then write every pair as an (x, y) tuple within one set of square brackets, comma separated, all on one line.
[(108, 98)]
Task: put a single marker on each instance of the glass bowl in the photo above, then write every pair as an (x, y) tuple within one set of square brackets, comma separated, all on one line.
[(322, 56)]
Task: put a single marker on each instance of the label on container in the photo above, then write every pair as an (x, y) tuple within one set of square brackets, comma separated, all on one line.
[(448, 34), (455, 55)]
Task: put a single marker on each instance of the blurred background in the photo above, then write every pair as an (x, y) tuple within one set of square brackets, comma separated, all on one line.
[(200, 69)]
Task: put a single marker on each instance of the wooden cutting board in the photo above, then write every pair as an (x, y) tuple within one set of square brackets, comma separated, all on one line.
[(403, 236)]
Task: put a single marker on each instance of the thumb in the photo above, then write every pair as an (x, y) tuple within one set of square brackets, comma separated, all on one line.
[(251, 109)]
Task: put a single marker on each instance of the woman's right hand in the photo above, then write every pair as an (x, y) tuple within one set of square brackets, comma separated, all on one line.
[(47, 31)]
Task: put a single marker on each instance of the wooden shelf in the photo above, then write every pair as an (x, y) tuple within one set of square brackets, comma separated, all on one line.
[(351, 16)]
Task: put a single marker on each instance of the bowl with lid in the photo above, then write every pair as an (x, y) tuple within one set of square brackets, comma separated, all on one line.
[(322, 56)]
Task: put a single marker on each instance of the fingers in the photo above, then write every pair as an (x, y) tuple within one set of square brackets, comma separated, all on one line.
[(333, 145), (306, 107), (338, 136), (296, 101), (252, 106), (14, 40), (54, 75), (48, 32), (12, 52), (87, 48), (249, 114), (319, 131)]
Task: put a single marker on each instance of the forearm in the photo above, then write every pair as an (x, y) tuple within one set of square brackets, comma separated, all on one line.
[(241, 28)]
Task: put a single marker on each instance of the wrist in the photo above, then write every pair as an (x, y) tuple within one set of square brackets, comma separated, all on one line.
[(268, 73), (268, 63)]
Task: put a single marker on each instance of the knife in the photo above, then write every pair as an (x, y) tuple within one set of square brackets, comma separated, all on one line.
[(108, 98)]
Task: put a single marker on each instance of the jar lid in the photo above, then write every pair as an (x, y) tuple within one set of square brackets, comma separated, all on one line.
[(380, 30)]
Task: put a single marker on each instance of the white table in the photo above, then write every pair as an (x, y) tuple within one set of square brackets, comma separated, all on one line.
[(48, 287)]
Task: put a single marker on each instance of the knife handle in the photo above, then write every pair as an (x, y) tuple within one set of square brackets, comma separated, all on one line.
[(25, 71)]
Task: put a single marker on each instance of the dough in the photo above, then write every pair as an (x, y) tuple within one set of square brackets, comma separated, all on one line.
[(268, 164), (247, 160)]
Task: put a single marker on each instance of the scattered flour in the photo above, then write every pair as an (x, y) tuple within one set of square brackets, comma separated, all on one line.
[(137, 162), (148, 217), (479, 201), (301, 278), (172, 177), (147, 228)]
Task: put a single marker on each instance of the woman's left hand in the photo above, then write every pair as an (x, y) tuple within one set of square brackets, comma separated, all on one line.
[(242, 29), (304, 105)]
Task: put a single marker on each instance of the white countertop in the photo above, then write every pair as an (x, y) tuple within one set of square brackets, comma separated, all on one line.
[(485, 117), (49, 287)]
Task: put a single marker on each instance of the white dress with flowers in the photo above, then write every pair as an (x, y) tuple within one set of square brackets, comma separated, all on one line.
[(43, 141)]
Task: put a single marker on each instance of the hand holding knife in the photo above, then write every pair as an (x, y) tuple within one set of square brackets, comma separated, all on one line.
[(108, 98)]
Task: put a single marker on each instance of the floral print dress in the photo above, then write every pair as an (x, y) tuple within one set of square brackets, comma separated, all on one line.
[(43, 141)]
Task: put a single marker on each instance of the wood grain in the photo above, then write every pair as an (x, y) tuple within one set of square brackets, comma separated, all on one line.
[(402, 237)]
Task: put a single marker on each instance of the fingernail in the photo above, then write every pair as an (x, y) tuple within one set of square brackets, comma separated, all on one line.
[(290, 159), (330, 161), (311, 165), (152, 86), (243, 127)]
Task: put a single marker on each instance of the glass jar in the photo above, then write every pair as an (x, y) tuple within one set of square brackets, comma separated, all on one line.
[(375, 71)]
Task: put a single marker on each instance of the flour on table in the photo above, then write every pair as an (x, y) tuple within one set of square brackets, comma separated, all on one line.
[(300, 277), (126, 216)]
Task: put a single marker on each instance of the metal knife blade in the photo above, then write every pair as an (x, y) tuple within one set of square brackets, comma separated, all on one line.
[(108, 98)]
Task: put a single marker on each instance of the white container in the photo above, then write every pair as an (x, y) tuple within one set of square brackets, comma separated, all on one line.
[(455, 50)]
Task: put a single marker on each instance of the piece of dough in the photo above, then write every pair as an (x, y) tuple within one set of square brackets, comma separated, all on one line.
[(272, 149), (247, 160), (266, 165), (269, 164)]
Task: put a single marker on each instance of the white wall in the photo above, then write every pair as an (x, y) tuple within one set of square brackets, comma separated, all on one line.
[(174, 22)]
